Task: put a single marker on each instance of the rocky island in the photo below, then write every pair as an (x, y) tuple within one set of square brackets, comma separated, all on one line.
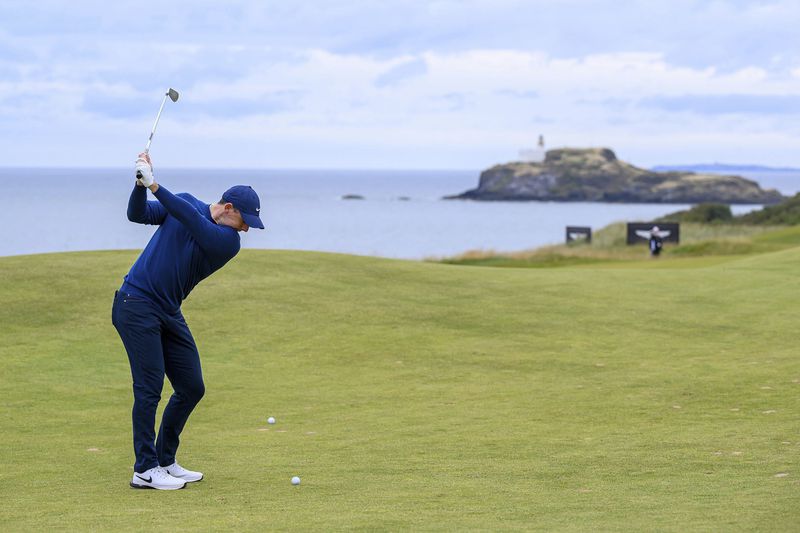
[(596, 175)]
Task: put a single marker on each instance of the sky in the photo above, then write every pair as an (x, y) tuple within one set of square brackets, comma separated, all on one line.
[(398, 84)]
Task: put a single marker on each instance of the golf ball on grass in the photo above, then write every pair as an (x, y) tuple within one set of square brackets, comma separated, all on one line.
[(271, 420), (295, 480)]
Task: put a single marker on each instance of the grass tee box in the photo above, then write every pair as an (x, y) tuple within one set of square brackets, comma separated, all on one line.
[(417, 396)]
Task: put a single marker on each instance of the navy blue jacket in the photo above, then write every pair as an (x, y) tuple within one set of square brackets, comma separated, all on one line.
[(187, 247)]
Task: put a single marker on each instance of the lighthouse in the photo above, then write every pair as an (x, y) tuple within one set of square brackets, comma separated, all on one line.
[(534, 155)]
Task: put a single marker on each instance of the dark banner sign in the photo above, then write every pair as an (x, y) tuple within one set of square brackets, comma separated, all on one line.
[(579, 233), (639, 232)]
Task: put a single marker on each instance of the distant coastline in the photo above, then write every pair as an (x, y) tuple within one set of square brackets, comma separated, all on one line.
[(722, 167)]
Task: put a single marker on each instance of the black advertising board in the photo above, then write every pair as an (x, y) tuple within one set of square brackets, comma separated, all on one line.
[(579, 233), (639, 232)]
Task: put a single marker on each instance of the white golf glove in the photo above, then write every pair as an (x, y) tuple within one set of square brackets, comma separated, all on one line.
[(144, 172)]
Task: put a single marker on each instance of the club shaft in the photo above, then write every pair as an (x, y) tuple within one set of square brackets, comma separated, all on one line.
[(160, 109)]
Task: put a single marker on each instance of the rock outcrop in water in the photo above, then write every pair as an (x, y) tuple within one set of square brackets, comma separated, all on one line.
[(596, 175)]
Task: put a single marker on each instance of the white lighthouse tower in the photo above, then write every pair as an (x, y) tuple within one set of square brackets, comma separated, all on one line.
[(534, 155)]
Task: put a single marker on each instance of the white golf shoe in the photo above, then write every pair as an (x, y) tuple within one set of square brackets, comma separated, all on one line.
[(180, 472), (156, 478)]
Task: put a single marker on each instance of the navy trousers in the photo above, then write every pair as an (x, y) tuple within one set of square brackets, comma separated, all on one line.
[(157, 343)]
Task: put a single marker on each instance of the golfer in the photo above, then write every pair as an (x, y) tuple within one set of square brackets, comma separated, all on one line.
[(193, 241)]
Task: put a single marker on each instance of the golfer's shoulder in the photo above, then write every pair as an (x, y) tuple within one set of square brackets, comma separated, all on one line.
[(229, 243), (197, 204), (189, 198), (229, 240)]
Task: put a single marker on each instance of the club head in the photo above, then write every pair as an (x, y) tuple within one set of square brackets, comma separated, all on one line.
[(173, 95)]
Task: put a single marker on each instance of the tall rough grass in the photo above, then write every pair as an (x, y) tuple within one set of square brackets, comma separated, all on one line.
[(609, 244)]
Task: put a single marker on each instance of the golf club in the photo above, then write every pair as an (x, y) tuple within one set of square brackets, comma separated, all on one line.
[(173, 95)]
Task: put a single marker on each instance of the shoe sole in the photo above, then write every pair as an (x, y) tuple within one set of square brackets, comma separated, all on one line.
[(135, 486)]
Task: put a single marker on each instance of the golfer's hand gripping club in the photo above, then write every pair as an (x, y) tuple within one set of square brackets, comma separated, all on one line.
[(139, 174), (144, 170)]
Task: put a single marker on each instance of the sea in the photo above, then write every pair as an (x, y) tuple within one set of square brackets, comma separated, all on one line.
[(400, 213)]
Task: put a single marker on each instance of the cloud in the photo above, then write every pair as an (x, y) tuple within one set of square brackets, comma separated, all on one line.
[(727, 35), (237, 106), (481, 101), (522, 94), (118, 107), (721, 104), (423, 80), (405, 70), (454, 101)]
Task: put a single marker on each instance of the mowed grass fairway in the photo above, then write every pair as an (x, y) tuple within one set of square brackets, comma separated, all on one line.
[(417, 396)]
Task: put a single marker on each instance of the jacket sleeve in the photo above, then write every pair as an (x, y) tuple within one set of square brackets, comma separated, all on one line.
[(213, 238), (142, 211)]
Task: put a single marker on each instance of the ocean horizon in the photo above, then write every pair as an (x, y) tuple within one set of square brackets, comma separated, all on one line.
[(402, 213)]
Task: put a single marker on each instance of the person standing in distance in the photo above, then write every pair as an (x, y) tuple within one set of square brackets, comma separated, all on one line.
[(193, 241), (656, 242)]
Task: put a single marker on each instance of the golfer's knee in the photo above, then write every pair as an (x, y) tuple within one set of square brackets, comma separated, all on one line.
[(200, 391), (194, 392), (146, 396)]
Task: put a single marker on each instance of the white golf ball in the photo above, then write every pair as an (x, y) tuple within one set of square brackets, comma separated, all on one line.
[(295, 480), (271, 420)]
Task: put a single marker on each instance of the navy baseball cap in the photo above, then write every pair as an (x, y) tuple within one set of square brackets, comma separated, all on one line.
[(245, 199)]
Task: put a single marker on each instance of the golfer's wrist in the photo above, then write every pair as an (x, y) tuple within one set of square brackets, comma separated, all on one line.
[(153, 188)]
